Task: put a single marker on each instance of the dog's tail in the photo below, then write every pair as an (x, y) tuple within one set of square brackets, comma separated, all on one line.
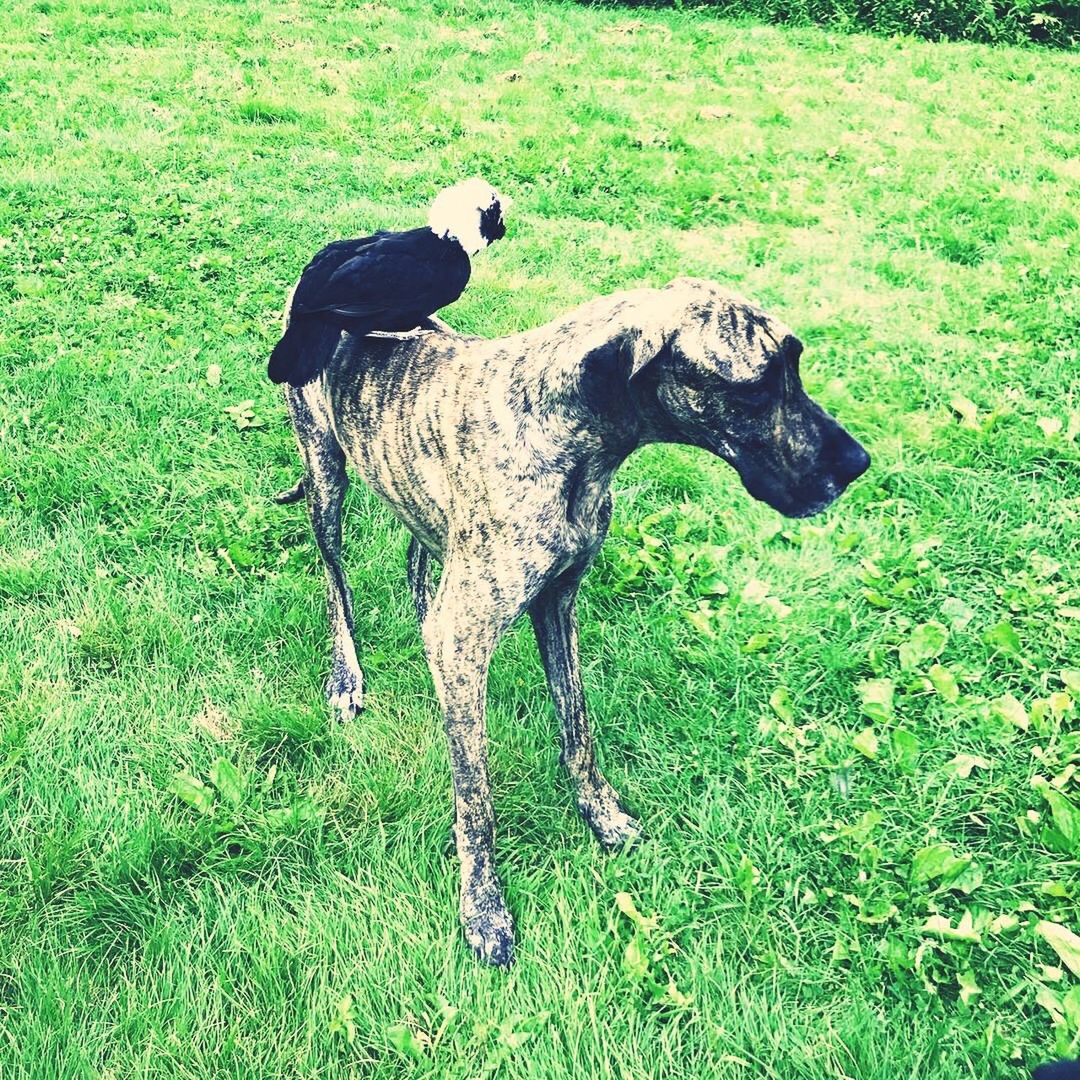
[(303, 351), (291, 495)]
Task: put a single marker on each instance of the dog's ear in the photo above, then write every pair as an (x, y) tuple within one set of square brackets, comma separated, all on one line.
[(608, 369), (650, 333), (640, 347)]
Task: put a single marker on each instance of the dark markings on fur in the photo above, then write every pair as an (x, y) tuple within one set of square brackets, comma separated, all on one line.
[(755, 323), (498, 457)]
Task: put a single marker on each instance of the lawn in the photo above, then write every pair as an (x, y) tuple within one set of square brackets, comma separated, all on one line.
[(851, 739)]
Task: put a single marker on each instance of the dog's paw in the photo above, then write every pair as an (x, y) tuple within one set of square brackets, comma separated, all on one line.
[(348, 705), (612, 826), (490, 935), (614, 831), (345, 691)]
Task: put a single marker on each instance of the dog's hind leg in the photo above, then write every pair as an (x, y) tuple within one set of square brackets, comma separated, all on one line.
[(422, 586), (324, 483), (554, 619)]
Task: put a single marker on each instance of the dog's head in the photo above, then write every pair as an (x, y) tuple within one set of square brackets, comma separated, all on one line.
[(711, 369)]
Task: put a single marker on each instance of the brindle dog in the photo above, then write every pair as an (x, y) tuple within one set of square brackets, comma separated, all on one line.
[(498, 456)]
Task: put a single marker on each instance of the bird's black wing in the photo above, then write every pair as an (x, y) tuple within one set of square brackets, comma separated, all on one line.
[(390, 276), (321, 268)]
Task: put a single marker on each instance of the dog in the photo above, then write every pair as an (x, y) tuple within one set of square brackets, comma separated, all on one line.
[(498, 455)]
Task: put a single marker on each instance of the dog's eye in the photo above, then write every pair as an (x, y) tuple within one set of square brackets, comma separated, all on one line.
[(754, 396)]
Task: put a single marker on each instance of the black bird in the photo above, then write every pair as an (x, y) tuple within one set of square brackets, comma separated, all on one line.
[(389, 281)]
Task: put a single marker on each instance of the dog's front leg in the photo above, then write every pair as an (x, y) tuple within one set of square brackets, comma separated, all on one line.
[(461, 630), (554, 617)]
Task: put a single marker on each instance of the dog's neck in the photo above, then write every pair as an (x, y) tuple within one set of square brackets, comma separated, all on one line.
[(579, 372), (589, 418)]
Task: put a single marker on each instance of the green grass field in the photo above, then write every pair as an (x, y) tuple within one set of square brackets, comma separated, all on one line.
[(852, 740)]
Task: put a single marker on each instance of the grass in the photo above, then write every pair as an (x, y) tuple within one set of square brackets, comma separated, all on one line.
[(847, 856)]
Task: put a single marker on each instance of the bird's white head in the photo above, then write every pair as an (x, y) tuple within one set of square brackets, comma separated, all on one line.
[(470, 213)]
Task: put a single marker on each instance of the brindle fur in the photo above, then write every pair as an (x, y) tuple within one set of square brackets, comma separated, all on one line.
[(498, 456)]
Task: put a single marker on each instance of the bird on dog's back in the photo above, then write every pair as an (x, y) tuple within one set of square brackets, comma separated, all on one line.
[(389, 281)]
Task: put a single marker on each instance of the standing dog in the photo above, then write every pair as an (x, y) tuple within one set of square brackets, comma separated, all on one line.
[(498, 457)]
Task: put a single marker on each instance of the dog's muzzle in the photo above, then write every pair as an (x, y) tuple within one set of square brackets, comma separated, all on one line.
[(840, 461)]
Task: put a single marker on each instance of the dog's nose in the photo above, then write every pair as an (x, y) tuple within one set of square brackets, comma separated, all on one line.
[(851, 461)]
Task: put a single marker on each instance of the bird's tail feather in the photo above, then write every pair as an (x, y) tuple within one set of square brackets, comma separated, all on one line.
[(303, 351)]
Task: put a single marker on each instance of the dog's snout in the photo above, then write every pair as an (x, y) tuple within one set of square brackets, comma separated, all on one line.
[(859, 462), (849, 458)]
